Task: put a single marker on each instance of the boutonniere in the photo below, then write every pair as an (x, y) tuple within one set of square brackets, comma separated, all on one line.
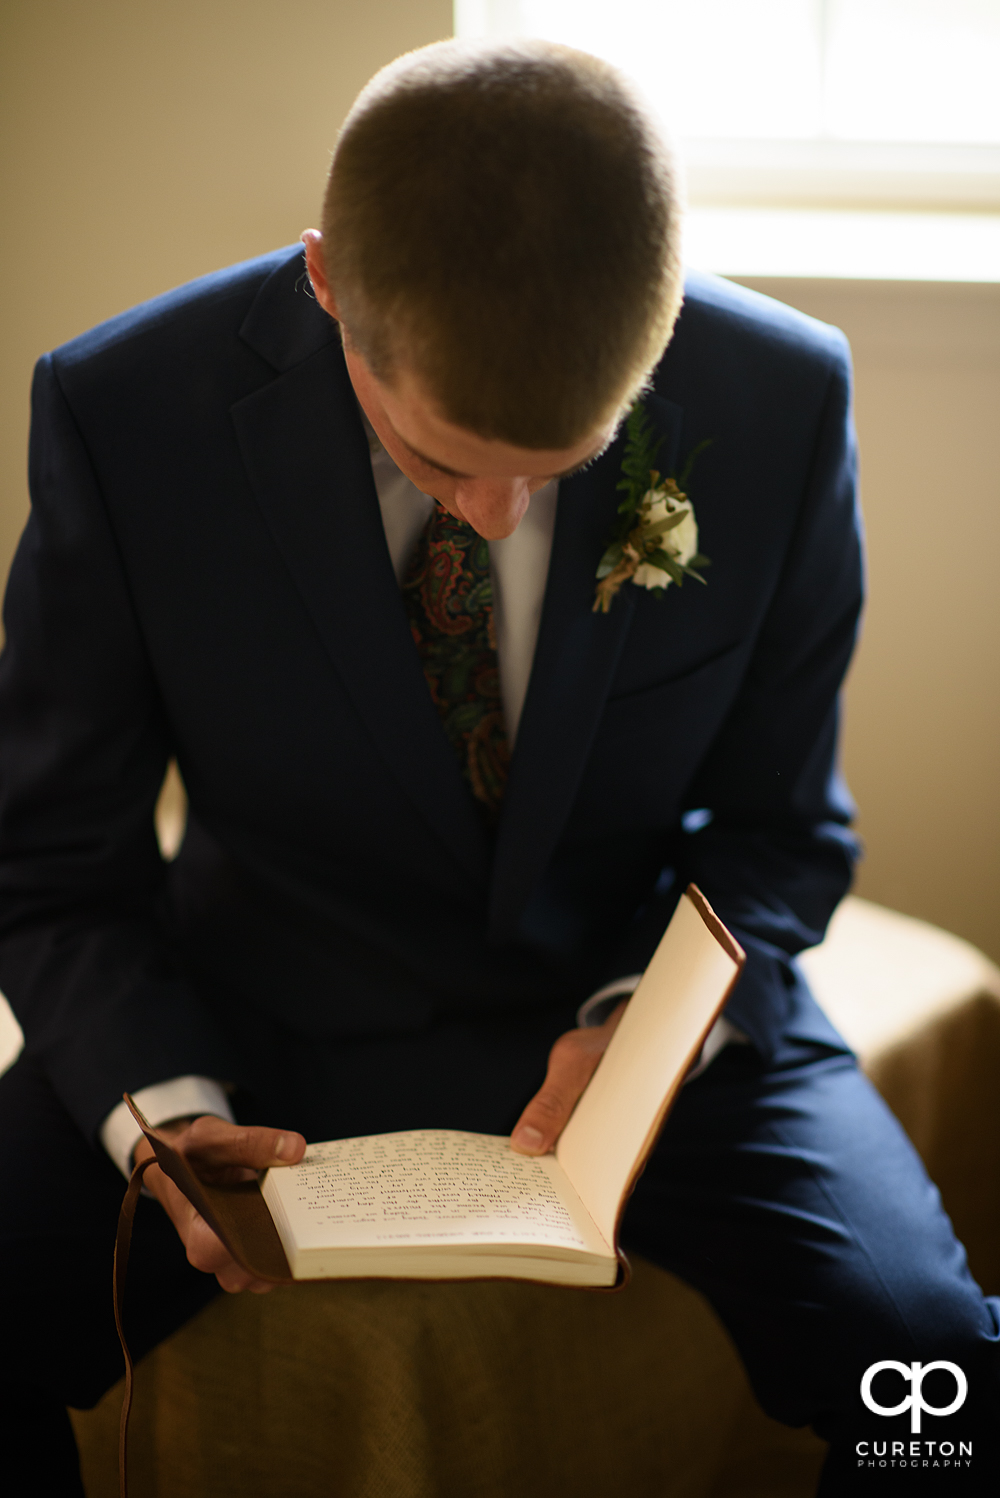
[(655, 540)]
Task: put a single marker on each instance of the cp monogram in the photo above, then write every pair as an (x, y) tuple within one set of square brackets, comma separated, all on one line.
[(914, 1401)]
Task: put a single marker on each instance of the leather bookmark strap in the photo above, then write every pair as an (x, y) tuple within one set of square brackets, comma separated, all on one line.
[(123, 1240)]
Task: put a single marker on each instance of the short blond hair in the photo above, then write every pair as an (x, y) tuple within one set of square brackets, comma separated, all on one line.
[(503, 219)]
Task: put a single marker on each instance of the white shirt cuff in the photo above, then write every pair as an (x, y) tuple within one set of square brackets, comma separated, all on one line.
[(178, 1098), (595, 1010), (721, 1034)]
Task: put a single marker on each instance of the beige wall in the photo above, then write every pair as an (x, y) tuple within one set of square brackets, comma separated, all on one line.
[(922, 738), (146, 144)]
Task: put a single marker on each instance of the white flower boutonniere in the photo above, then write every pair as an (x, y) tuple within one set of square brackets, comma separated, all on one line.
[(655, 542)]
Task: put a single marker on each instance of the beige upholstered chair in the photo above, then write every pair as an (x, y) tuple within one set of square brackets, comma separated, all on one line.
[(493, 1390)]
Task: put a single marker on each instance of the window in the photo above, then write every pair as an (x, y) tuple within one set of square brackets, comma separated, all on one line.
[(788, 106)]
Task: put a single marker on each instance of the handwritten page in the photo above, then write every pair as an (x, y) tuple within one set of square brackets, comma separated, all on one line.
[(427, 1187)]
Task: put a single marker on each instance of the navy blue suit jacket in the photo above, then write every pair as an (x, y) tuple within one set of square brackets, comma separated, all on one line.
[(205, 574)]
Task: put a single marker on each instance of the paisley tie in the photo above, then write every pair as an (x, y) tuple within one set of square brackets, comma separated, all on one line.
[(448, 596)]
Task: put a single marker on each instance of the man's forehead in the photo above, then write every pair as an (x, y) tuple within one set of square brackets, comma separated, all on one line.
[(418, 423), (573, 467)]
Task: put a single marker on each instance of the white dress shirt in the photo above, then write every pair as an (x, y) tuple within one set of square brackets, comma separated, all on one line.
[(519, 566)]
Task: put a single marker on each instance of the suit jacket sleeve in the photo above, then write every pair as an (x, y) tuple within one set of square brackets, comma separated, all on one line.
[(83, 749), (770, 845)]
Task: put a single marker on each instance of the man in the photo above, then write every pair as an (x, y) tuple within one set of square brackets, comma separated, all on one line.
[(438, 801)]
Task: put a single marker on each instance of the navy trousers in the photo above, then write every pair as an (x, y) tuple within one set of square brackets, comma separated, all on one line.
[(792, 1199), (786, 1193)]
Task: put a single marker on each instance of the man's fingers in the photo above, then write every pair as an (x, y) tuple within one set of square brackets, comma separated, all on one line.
[(572, 1063), (206, 1253), (221, 1149), (213, 1144), (204, 1250)]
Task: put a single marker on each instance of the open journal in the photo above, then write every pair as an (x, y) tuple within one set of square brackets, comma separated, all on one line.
[(441, 1204)]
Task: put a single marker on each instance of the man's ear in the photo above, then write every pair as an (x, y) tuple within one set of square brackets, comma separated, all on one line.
[(312, 239)]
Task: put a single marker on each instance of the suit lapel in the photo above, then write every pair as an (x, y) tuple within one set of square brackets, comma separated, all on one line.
[(306, 455), (575, 661), (307, 458)]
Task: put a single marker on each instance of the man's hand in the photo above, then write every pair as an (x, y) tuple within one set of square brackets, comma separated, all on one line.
[(572, 1062), (219, 1152)]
